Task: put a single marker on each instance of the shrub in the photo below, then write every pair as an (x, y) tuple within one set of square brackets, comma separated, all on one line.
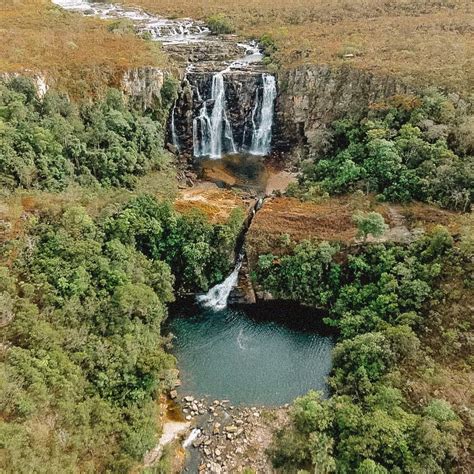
[(219, 24), (371, 223)]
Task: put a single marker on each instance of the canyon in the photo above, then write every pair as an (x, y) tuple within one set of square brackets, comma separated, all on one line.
[(239, 128)]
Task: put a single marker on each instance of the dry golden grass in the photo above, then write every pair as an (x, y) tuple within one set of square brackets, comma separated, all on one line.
[(424, 216), (331, 220), (423, 41), (35, 35), (217, 204)]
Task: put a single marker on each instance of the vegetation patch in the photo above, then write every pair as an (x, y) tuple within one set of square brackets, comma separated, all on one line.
[(219, 24), (81, 54), (380, 300), (284, 222), (406, 149), (217, 204)]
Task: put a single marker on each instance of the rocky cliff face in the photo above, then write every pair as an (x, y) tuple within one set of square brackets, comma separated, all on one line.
[(40, 80), (311, 97), (143, 86)]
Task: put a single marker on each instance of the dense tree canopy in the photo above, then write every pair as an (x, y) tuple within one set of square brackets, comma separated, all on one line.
[(84, 358), (49, 143), (376, 301)]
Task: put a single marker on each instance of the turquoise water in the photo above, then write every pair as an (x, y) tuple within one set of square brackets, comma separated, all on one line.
[(264, 355)]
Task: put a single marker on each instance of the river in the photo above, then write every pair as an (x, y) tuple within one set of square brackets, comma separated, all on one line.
[(262, 354)]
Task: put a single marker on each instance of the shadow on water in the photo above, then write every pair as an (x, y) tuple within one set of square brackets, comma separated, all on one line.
[(294, 316), (266, 354)]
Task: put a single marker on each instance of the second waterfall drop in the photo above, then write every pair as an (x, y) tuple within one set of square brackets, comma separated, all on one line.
[(262, 117)]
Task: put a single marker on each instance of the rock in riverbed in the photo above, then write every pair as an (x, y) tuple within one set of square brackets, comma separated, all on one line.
[(232, 438)]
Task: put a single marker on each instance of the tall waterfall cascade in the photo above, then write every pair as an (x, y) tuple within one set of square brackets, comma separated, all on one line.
[(262, 117), (215, 130), (213, 134), (174, 136), (216, 298), (212, 131)]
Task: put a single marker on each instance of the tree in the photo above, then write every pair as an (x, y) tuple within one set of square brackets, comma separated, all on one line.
[(371, 223), (361, 361)]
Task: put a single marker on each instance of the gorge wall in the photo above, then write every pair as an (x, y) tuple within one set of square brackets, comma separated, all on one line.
[(142, 86), (196, 89), (312, 96), (309, 99)]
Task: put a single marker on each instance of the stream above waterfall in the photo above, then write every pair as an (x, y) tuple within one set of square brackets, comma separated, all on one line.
[(226, 100), (265, 354)]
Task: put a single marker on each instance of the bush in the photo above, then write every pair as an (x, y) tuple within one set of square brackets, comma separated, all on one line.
[(219, 24), (371, 223)]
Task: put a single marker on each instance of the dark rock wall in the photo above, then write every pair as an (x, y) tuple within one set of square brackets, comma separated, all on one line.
[(311, 97)]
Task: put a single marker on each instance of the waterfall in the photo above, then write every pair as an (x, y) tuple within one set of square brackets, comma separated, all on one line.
[(192, 436), (212, 134), (174, 137), (216, 298), (262, 115), (202, 133)]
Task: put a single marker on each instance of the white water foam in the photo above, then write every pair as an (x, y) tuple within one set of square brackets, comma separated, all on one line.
[(212, 133), (174, 136), (192, 436), (216, 298), (167, 31)]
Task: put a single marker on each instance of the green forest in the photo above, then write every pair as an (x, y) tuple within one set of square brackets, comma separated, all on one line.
[(379, 300), (380, 297), (406, 149), (50, 143), (86, 284), (83, 297)]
